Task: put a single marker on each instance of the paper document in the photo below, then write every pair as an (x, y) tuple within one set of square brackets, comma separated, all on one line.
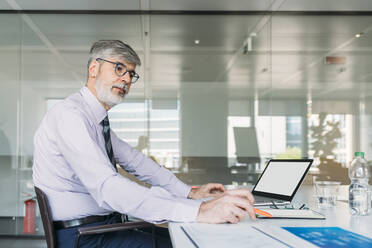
[(230, 235)]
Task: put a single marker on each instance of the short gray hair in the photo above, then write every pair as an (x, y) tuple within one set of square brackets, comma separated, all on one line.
[(113, 48)]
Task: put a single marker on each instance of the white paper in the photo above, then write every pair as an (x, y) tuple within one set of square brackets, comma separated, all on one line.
[(231, 236)]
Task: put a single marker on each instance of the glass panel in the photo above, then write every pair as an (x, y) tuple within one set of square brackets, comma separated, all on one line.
[(201, 62), (249, 81), (330, 91), (218, 95), (10, 49), (164, 132)]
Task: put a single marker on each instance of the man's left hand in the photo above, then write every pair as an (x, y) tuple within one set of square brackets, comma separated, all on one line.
[(207, 190)]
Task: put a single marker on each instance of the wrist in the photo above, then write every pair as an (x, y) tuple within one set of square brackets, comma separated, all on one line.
[(192, 193), (199, 218)]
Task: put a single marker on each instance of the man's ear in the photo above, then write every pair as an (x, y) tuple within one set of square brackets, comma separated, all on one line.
[(93, 69)]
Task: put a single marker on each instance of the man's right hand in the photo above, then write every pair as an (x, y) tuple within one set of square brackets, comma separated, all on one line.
[(231, 207)]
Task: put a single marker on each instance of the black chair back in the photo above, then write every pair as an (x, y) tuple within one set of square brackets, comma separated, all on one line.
[(46, 217)]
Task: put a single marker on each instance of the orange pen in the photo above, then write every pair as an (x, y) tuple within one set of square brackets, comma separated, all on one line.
[(257, 211)]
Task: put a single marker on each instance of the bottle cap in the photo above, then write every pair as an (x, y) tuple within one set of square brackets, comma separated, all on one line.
[(359, 154)]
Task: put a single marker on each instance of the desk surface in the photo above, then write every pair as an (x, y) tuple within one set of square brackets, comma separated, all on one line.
[(336, 216)]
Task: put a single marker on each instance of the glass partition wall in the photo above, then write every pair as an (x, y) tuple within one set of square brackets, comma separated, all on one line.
[(218, 96), (10, 83)]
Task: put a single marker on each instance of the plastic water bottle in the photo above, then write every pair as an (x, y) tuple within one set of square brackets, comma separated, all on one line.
[(359, 193)]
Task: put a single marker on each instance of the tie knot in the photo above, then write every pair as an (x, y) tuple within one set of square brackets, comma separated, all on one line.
[(106, 122)]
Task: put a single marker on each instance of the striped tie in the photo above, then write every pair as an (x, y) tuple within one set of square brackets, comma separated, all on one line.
[(106, 135)]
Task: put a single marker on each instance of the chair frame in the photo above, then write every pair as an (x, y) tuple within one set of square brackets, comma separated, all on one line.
[(50, 234), (114, 228)]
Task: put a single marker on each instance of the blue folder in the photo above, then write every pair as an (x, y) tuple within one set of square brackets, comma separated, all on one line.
[(331, 237)]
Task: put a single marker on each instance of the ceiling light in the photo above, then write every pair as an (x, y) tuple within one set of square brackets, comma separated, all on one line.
[(359, 35), (196, 42)]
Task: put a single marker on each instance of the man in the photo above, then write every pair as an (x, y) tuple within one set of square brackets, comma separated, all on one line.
[(75, 161)]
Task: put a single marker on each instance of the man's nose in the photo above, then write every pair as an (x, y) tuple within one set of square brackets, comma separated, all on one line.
[(126, 78)]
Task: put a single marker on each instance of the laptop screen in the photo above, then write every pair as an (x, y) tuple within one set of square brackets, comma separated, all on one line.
[(282, 177)]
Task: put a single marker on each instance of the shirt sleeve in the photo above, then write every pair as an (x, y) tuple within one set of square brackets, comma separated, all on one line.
[(145, 169), (108, 188)]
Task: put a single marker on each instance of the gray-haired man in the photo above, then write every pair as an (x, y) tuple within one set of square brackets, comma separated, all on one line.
[(75, 165)]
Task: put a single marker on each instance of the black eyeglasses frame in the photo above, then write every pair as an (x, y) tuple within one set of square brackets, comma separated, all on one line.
[(132, 74)]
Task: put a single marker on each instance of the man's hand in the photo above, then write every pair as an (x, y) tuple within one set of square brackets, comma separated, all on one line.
[(207, 190), (232, 207)]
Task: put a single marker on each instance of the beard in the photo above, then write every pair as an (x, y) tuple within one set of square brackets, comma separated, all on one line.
[(105, 94)]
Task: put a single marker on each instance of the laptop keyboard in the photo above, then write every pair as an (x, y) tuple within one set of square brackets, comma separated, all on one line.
[(263, 201)]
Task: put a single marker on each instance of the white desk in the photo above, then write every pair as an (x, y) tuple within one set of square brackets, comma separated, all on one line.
[(337, 216)]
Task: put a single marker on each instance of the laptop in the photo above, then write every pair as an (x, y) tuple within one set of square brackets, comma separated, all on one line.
[(280, 181)]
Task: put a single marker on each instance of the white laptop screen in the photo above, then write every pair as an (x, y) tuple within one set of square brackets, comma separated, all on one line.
[(282, 177)]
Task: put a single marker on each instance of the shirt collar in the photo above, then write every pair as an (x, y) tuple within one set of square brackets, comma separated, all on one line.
[(97, 108)]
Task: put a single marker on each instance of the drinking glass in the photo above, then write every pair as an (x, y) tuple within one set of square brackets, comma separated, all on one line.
[(326, 193)]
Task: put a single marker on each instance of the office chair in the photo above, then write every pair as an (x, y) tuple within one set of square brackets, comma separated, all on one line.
[(50, 235)]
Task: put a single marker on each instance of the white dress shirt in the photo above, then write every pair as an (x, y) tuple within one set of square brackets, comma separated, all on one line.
[(72, 167)]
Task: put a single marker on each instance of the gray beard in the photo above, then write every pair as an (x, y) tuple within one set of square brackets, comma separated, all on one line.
[(105, 95)]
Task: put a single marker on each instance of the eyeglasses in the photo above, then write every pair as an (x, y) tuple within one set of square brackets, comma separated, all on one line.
[(121, 70)]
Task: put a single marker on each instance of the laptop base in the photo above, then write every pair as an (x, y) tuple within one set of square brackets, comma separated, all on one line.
[(266, 201)]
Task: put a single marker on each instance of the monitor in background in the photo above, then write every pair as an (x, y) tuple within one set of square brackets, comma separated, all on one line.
[(246, 145)]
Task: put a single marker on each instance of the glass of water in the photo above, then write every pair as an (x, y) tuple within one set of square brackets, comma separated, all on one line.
[(326, 193)]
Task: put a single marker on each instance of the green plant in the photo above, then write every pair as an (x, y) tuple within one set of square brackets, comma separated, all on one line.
[(290, 152), (324, 136)]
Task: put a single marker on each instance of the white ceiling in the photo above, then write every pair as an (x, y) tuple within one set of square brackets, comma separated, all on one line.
[(286, 58), (193, 5)]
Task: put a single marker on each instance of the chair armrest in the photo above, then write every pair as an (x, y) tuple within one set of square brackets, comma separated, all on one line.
[(113, 227)]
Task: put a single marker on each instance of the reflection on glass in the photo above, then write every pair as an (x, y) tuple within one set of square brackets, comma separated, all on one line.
[(192, 96), (328, 145)]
